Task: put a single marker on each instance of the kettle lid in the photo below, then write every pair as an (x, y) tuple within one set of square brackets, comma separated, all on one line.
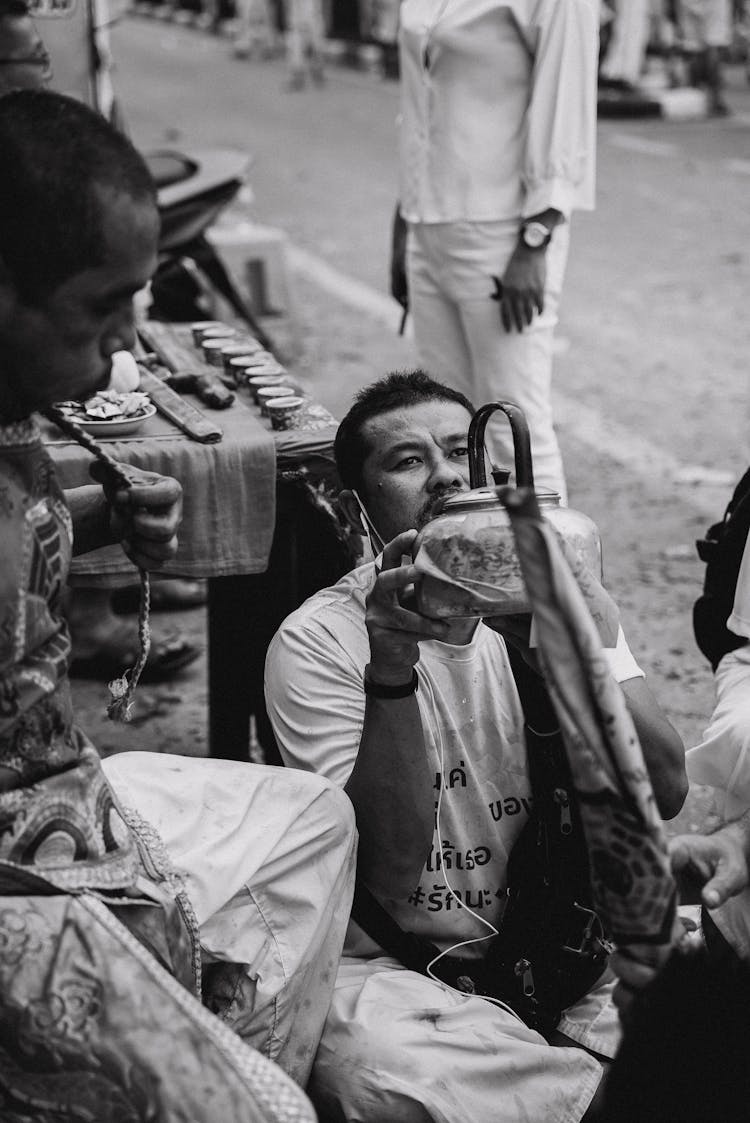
[(486, 498)]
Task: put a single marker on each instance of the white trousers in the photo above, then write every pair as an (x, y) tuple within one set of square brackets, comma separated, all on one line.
[(267, 855), (400, 1048), (461, 339)]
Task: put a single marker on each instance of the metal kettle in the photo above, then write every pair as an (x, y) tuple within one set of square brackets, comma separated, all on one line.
[(466, 555)]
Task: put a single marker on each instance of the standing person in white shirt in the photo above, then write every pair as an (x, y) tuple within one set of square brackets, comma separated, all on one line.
[(497, 147)]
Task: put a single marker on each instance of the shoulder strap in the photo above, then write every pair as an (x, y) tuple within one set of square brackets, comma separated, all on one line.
[(538, 711), (413, 951)]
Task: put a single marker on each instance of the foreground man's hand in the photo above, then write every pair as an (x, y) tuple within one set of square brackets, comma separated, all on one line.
[(144, 517), (395, 628)]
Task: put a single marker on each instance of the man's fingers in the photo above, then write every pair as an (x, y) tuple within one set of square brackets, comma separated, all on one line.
[(156, 494), (713, 863), (517, 310), (394, 551), (390, 582), (728, 879), (387, 610), (150, 556), (150, 526)]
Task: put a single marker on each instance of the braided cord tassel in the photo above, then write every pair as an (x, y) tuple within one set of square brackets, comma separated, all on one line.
[(122, 690)]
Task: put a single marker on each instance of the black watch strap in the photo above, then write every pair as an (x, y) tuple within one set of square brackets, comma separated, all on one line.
[(382, 690)]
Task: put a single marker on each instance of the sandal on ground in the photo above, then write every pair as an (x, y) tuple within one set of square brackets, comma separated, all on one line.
[(167, 594), (119, 652)]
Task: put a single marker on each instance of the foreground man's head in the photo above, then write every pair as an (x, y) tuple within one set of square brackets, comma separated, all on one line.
[(400, 450), (78, 238)]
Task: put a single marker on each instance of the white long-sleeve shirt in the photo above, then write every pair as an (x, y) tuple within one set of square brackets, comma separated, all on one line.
[(498, 108)]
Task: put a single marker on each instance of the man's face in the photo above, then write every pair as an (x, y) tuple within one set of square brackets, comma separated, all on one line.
[(61, 346), (24, 62), (417, 456)]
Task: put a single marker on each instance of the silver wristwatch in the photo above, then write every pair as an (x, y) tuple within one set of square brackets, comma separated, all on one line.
[(535, 235)]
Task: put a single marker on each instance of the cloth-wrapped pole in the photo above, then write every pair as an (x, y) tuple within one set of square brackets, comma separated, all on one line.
[(122, 690), (634, 890)]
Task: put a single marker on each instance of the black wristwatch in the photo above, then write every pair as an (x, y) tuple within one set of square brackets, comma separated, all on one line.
[(535, 235)]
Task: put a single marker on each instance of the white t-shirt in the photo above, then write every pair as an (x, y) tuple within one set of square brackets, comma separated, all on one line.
[(473, 731), (739, 620)]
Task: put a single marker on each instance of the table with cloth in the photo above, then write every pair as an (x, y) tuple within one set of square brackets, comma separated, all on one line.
[(256, 523)]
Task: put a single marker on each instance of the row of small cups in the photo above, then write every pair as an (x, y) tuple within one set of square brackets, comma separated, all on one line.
[(245, 361)]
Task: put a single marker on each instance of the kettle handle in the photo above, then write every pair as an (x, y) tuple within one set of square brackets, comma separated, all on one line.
[(521, 444)]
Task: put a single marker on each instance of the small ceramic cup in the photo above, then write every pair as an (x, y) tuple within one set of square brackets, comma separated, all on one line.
[(255, 382), (264, 369), (236, 367), (285, 413), (260, 358), (212, 348), (200, 327), (237, 348), (266, 394)]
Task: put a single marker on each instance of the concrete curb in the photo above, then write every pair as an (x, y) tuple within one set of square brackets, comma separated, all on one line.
[(683, 103)]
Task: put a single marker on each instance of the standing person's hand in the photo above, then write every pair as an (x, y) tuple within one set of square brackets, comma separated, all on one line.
[(393, 627), (520, 290), (144, 517)]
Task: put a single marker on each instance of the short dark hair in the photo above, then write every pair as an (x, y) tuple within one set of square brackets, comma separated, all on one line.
[(397, 390), (57, 154)]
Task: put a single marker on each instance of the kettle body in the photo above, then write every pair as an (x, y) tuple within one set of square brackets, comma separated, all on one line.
[(466, 556), (467, 560)]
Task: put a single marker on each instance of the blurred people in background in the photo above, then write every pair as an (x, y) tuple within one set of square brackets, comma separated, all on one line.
[(706, 29), (256, 29), (305, 39), (626, 51)]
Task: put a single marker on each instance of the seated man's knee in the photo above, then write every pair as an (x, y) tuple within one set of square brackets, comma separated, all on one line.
[(384, 1107), (342, 827)]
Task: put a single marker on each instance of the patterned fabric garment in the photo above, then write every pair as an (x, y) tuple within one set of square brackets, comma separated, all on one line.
[(59, 814)]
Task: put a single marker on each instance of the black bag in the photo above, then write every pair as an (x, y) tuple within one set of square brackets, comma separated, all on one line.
[(722, 550), (551, 948)]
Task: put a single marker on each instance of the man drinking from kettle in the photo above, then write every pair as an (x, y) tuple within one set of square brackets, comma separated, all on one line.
[(421, 722)]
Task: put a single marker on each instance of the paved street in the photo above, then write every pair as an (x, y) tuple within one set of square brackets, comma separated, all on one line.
[(651, 377)]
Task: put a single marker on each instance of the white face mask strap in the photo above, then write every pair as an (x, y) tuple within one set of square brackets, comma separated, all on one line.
[(369, 525)]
